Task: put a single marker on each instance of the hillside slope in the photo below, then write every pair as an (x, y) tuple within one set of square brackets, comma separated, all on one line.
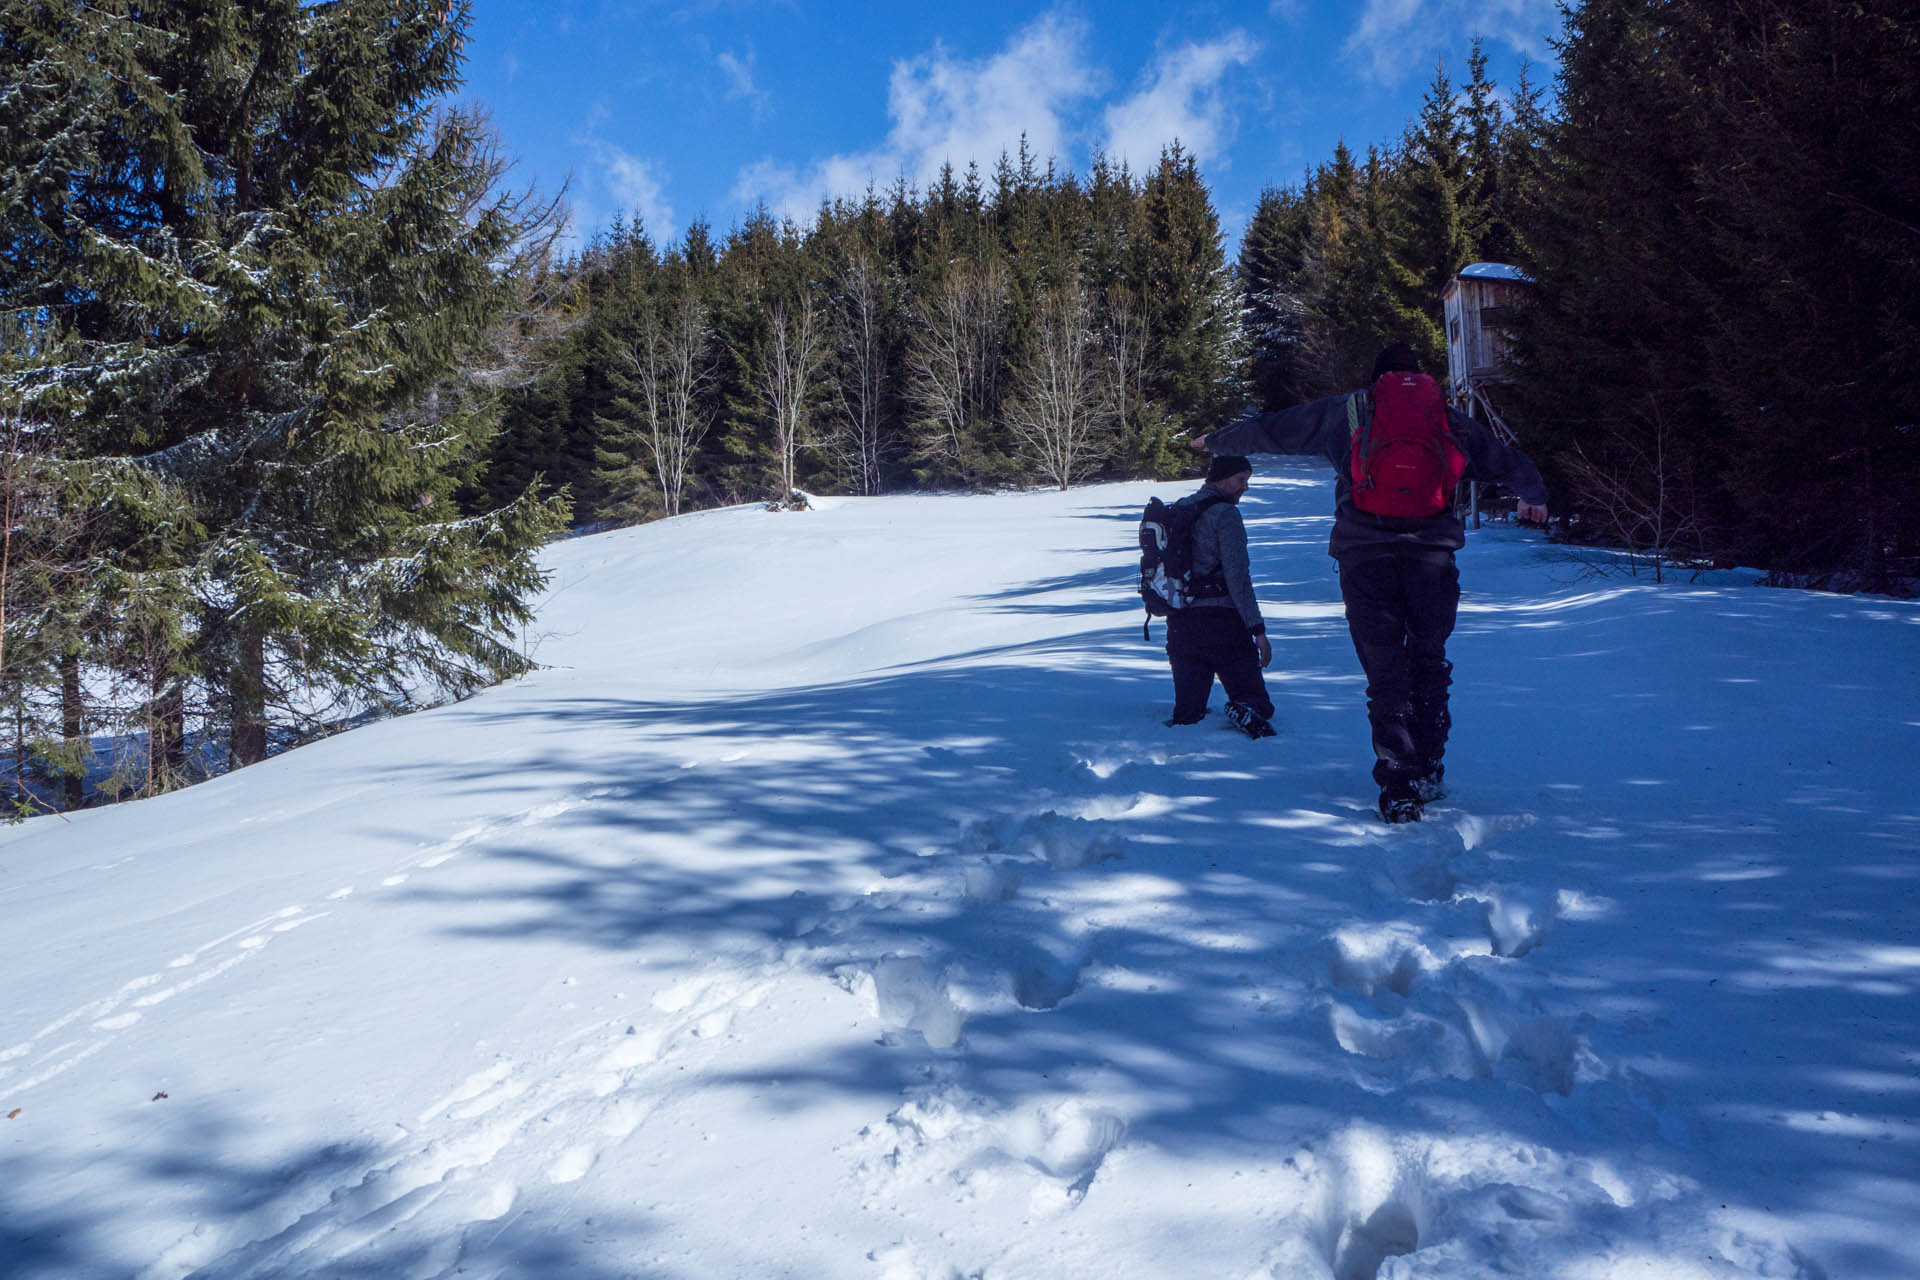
[(834, 903)]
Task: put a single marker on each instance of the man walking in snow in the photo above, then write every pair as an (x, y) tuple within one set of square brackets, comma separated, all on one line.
[(1397, 573), (1220, 633)]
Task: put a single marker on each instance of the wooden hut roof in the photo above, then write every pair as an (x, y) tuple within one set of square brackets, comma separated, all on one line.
[(1494, 271)]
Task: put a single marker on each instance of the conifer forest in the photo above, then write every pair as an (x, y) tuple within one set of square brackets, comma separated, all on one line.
[(296, 379)]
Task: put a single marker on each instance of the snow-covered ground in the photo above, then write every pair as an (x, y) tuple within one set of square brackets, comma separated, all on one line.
[(836, 904)]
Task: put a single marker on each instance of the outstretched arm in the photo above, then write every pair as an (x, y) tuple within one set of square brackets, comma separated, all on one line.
[(1491, 459), (1303, 429)]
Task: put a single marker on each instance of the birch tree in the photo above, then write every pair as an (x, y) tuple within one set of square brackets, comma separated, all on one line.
[(664, 413), (861, 339), (789, 368), (1061, 410), (954, 364), (1125, 355), (683, 375)]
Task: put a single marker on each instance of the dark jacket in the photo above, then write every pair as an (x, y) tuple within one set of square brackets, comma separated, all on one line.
[(1320, 428), (1220, 550)]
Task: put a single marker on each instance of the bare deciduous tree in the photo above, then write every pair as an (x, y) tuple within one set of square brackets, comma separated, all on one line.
[(953, 366), (673, 362), (1126, 354), (540, 296), (860, 336), (1644, 495), (1061, 409), (793, 357)]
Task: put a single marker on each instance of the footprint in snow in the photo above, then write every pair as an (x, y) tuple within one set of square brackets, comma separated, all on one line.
[(1377, 1202), (1517, 919), (1063, 843), (1045, 975), (1103, 764), (474, 1086), (1468, 1034), (572, 1164), (626, 1115), (1367, 959), (991, 880), (946, 1135), (1068, 844), (1068, 1141), (907, 994)]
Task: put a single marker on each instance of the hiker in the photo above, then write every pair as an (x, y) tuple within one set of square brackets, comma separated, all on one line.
[(1220, 631), (1397, 575)]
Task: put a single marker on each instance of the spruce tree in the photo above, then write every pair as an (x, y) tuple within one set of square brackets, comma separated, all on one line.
[(1278, 313), (1432, 224), (626, 348), (268, 252), (749, 266), (1191, 304), (1806, 168), (1608, 192), (1348, 272), (1483, 199)]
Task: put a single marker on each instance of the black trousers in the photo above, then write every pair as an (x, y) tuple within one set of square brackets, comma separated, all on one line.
[(1401, 602), (1206, 642)]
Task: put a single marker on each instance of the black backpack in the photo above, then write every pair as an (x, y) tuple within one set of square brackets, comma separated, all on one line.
[(1166, 558)]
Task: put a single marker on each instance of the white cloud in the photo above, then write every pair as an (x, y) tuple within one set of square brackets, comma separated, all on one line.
[(1527, 26), (1181, 99), (1395, 39), (739, 77), (1380, 43), (947, 110), (631, 184)]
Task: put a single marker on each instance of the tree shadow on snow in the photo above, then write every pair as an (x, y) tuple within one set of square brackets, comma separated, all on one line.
[(333, 1209), (1095, 895)]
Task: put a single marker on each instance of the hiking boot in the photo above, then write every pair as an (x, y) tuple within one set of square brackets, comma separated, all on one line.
[(1433, 786), (1185, 720), (1249, 721), (1399, 804)]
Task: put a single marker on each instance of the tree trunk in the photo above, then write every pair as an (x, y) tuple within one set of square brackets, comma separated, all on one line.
[(167, 747), (73, 727), (249, 740)]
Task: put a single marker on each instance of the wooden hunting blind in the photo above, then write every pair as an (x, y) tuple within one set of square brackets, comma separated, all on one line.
[(1478, 306)]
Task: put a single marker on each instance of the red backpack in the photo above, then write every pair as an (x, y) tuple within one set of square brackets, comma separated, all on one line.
[(1405, 462)]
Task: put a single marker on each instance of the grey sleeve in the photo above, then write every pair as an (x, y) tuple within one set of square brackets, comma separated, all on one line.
[(1318, 428), (1235, 566), (1491, 459)]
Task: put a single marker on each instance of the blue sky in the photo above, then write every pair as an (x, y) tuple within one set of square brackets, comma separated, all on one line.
[(707, 107)]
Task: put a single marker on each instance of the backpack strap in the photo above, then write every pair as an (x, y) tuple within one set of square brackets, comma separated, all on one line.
[(1200, 509), (1359, 429)]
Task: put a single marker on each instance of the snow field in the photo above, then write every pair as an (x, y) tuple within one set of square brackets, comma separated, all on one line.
[(836, 905)]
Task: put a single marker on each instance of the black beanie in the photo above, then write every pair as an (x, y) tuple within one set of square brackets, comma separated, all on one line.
[(1225, 466), (1398, 358)]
